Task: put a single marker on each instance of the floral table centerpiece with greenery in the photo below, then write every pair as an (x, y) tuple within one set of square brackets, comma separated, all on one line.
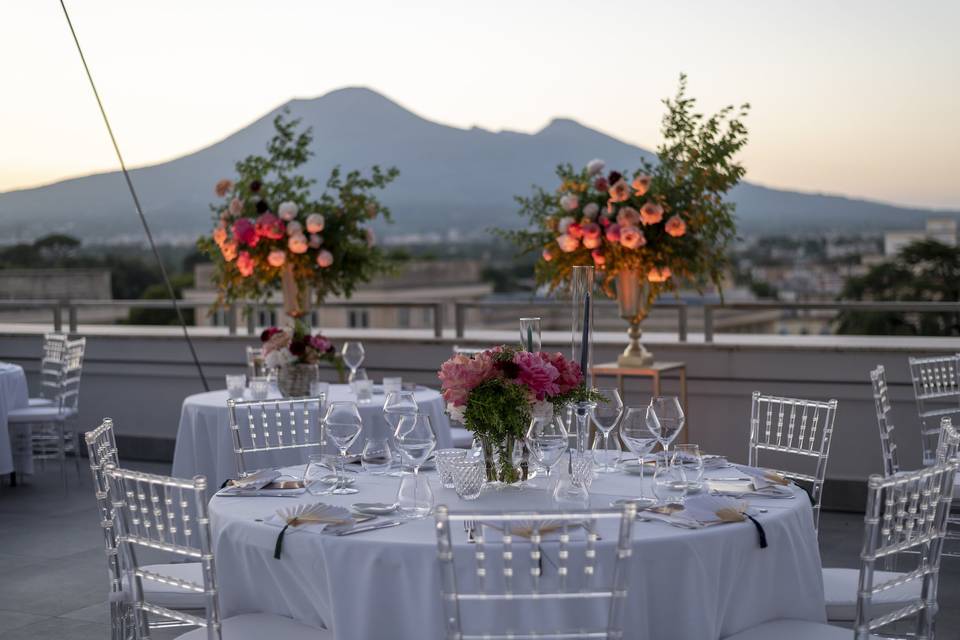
[(664, 226), (297, 354)]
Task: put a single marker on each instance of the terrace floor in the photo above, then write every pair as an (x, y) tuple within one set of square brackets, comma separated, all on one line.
[(53, 573)]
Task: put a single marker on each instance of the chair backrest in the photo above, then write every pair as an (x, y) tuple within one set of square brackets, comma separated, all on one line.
[(521, 559), (797, 427), (947, 431), (170, 515), (906, 512), (259, 426), (881, 401), (68, 392), (51, 364), (936, 387), (102, 450)]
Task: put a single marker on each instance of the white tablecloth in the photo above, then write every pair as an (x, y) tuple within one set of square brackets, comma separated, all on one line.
[(695, 585), (205, 445), (13, 395)]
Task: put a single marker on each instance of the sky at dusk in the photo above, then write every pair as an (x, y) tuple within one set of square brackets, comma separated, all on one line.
[(859, 98)]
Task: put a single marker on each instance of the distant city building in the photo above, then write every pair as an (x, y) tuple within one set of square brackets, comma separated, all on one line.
[(943, 230)]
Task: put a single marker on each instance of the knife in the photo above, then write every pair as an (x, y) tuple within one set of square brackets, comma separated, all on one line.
[(368, 527)]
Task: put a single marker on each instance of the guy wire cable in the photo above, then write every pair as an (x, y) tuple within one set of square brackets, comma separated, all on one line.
[(136, 202)]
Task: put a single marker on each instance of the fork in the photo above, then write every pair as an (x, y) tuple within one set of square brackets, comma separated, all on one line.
[(469, 526)]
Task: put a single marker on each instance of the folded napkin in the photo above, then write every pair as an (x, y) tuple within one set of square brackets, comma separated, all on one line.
[(256, 480), (712, 510), (712, 462), (265, 482), (303, 515)]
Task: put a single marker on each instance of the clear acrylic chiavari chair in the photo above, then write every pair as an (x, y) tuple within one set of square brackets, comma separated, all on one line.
[(906, 512), (519, 562), (263, 426), (51, 368), (102, 450), (170, 515), (881, 400), (795, 427), (936, 387), (951, 547)]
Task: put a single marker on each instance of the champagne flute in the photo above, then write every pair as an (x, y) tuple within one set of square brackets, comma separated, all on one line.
[(636, 435), (547, 440), (605, 416), (665, 419), (343, 424), (352, 353)]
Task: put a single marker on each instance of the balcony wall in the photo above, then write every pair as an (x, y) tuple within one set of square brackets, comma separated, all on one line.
[(139, 377)]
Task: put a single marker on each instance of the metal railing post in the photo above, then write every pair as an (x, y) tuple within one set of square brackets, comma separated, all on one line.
[(459, 312), (57, 318), (682, 322), (437, 319), (707, 323), (251, 319), (72, 318), (232, 318)]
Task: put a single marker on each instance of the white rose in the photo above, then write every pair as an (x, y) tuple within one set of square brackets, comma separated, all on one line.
[(324, 259), (568, 243), (456, 413), (591, 210), (315, 223), (569, 202), (297, 244), (315, 241), (595, 166), (564, 224), (294, 228), (287, 211)]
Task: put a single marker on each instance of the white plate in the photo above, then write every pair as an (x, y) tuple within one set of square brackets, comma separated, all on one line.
[(374, 508)]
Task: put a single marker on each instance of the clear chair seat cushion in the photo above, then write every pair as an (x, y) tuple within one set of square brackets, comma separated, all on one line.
[(840, 592), (40, 402), (794, 630), (34, 415), (169, 596), (261, 626), (462, 439)]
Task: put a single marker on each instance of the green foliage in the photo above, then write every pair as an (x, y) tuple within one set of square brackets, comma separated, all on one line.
[(923, 271), (159, 291)]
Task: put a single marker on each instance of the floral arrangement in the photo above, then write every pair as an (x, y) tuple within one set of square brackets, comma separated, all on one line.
[(495, 392), (667, 221), (283, 347), (268, 226)]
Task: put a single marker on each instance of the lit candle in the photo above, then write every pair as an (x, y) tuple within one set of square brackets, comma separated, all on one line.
[(585, 340)]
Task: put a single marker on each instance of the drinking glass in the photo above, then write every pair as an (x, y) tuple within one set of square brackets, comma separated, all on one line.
[(605, 416), (415, 498), (689, 458), (315, 474), (469, 475), (392, 384), (665, 419), (342, 424), (445, 459), (376, 458), (637, 437), (572, 488), (352, 354), (415, 437), (256, 368), (236, 385), (396, 405), (547, 440), (362, 386), (607, 451), (669, 480), (259, 388)]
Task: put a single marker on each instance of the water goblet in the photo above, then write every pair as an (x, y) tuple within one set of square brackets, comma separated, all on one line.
[(342, 424), (376, 457), (445, 459), (236, 385), (352, 353), (637, 437), (547, 440), (665, 419), (606, 415), (416, 438), (669, 480), (362, 386), (396, 405), (415, 497), (688, 456)]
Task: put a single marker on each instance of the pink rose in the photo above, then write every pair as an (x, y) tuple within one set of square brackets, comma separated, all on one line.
[(601, 184), (236, 207), (659, 275), (324, 259), (595, 166), (537, 374), (276, 258), (269, 226), (613, 233), (591, 210), (547, 256), (320, 343), (651, 213), (297, 244), (315, 223), (245, 232), (575, 231), (229, 250), (675, 226), (641, 184), (245, 264), (223, 187), (569, 202), (568, 243), (220, 235), (590, 230), (287, 211), (619, 191), (598, 258), (628, 217), (592, 242), (632, 238)]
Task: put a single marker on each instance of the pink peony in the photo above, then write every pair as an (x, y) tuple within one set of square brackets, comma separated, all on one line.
[(595, 166), (592, 242), (297, 243), (628, 217), (651, 213), (601, 184), (659, 275), (461, 374), (641, 184), (675, 226), (591, 210), (613, 233), (288, 211), (632, 238), (598, 258), (537, 374), (223, 187), (269, 226), (236, 207), (320, 343), (619, 191), (276, 258), (569, 202), (569, 375), (229, 250), (245, 232), (245, 264), (567, 243), (547, 255), (324, 259), (315, 223)]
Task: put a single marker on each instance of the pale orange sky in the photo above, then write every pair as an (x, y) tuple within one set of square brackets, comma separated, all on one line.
[(855, 97)]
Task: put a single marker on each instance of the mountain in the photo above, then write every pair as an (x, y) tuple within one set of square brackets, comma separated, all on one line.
[(450, 178)]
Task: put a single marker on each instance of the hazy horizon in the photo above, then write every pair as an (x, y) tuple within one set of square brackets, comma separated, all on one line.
[(847, 99)]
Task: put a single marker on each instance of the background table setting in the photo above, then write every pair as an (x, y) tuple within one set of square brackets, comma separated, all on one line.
[(13, 395)]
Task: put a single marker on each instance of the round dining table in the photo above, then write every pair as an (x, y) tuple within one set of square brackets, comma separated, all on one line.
[(695, 584), (205, 445), (13, 395)]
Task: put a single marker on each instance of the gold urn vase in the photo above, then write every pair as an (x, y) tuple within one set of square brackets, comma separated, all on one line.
[(633, 295)]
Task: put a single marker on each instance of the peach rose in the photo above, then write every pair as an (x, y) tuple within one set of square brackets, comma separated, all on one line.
[(223, 187), (219, 235), (276, 258), (628, 217), (575, 230), (613, 233), (324, 259), (675, 226), (592, 242), (598, 258), (641, 184), (569, 202), (245, 264), (619, 191), (632, 238), (651, 213), (229, 250), (590, 230), (297, 244), (659, 275), (315, 223), (547, 255), (568, 243)]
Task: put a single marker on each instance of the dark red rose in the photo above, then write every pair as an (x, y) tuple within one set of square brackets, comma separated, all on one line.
[(268, 333), (614, 177), (255, 186), (262, 206), (298, 347), (509, 369), (601, 184)]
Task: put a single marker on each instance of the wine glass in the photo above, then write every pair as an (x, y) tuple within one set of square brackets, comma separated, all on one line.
[(352, 354), (547, 439), (665, 419), (415, 437), (669, 480), (605, 416), (396, 405), (343, 424), (688, 456), (636, 435)]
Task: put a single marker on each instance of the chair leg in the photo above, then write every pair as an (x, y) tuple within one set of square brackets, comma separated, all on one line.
[(76, 452), (62, 456)]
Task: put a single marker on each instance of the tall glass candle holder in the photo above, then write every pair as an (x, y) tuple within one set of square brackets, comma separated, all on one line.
[(530, 334), (581, 290)]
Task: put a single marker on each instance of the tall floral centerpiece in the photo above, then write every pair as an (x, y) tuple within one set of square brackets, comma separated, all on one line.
[(663, 226), (494, 394), (297, 354), (271, 234)]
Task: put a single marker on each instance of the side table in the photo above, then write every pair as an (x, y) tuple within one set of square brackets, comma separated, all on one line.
[(655, 372)]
